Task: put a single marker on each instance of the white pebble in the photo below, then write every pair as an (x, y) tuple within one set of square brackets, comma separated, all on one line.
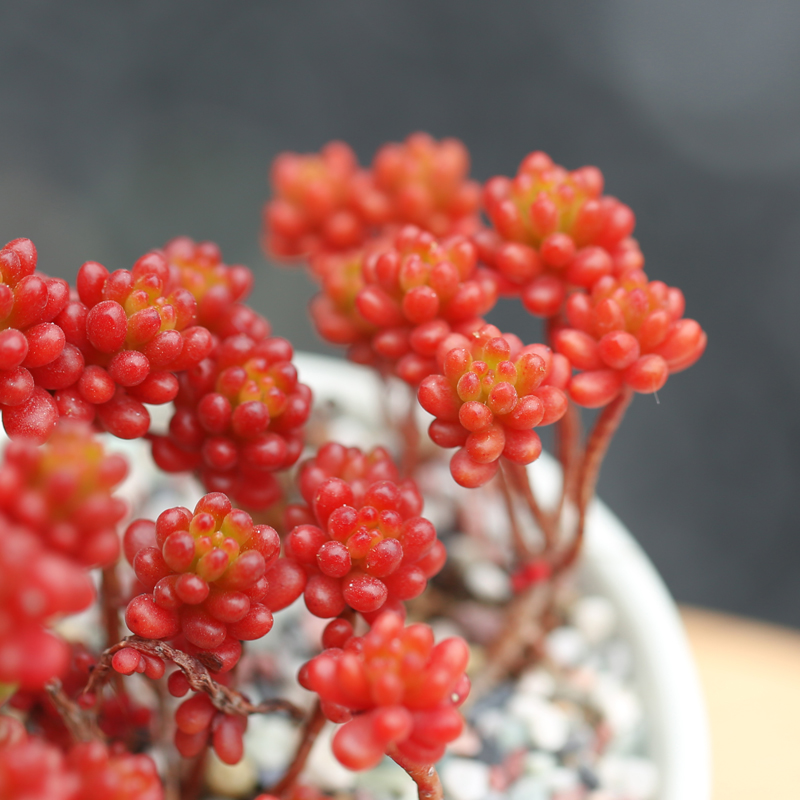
[(322, 768), (237, 780), (595, 617), (548, 725), (566, 646), (271, 741), (387, 779), (528, 788), (513, 735), (538, 682), (490, 722), (562, 779), (619, 705), (444, 628), (630, 776), (538, 763), (488, 582), (467, 744), (464, 779)]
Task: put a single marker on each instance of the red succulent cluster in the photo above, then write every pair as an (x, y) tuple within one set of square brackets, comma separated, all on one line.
[(238, 419), (33, 769), (37, 585), (425, 183), (361, 542), (627, 331), (31, 344), (334, 311), (394, 689), (134, 330), (554, 230), (324, 202), (64, 492), (98, 356), (218, 288), (492, 395), (204, 578), (416, 293), (312, 208), (334, 460)]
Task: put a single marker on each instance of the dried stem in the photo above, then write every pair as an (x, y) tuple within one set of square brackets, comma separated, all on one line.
[(311, 729), (605, 427), (424, 775), (224, 699), (79, 722), (521, 549)]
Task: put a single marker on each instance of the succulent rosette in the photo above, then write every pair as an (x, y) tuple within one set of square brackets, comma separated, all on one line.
[(393, 689), (626, 332), (492, 394)]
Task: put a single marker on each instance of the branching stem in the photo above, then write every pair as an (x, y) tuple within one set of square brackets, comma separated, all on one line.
[(224, 699), (597, 444)]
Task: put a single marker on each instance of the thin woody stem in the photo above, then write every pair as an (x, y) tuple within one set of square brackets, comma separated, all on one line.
[(224, 699), (597, 445), (522, 626), (195, 777), (521, 549), (311, 730), (568, 433), (543, 520), (110, 593), (425, 776)]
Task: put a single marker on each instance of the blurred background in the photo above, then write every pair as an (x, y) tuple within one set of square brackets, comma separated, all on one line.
[(123, 125)]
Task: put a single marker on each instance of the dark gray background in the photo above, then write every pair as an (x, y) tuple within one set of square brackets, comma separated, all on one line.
[(122, 125)]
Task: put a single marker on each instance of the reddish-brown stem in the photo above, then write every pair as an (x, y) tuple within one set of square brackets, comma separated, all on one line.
[(224, 699), (521, 549), (522, 627), (193, 783), (568, 437), (311, 729), (80, 723), (110, 594), (597, 444), (425, 776), (543, 520)]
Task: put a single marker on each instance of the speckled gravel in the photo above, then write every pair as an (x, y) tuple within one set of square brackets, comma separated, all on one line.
[(570, 727)]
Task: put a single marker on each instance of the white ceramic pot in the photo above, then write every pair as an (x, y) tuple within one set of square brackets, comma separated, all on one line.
[(613, 565)]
